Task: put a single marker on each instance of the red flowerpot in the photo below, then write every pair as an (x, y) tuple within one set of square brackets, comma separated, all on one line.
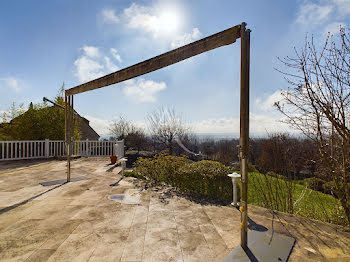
[(113, 159)]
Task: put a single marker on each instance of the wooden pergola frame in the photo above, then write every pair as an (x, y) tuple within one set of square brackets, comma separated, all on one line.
[(222, 38)]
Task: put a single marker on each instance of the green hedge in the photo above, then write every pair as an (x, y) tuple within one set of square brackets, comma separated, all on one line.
[(207, 178)]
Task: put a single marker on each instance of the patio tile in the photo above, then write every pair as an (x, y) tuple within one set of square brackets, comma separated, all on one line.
[(76, 248), (162, 245), (40, 255)]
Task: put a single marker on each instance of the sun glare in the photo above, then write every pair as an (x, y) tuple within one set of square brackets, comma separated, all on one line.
[(170, 19), (169, 22)]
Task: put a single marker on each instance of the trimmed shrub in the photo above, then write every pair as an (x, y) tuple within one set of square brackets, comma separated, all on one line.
[(160, 168), (207, 178)]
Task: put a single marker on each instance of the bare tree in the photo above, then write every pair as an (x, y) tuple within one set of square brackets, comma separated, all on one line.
[(226, 151), (134, 136), (165, 126), (318, 103), (120, 128), (282, 154)]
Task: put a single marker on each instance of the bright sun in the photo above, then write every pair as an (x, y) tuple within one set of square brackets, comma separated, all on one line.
[(170, 19), (169, 22)]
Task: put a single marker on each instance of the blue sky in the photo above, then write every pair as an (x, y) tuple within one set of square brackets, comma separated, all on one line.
[(46, 43)]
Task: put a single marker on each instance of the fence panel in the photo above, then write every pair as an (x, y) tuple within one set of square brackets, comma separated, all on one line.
[(34, 149), (11, 150)]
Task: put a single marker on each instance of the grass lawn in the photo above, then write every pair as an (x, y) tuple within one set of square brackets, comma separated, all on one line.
[(272, 192)]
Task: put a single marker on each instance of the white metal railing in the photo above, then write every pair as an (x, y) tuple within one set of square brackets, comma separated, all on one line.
[(34, 149), (93, 148)]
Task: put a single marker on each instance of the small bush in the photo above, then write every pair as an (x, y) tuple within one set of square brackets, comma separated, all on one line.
[(251, 168), (313, 183), (331, 189)]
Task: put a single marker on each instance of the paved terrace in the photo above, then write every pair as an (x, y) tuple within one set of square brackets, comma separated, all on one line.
[(78, 222)]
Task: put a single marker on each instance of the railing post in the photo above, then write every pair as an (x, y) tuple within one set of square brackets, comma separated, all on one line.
[(87, 151), (47, 148)]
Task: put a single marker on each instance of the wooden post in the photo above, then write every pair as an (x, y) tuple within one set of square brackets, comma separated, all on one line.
[(244, 130), (66, 130), (72, 126), (68, 139)]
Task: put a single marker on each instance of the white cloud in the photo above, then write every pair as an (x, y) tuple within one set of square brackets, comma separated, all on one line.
[(267, 104), (87, 69), (259, 125), (325, 13), (264, 123), (109, 16), (140, 17), (99, 125), (92, 64), (115, 54), (314, 13), (267, 120), (10, 83), (217, 125), (334, 28), (343, 6), (109, 65), (163, 20), (186, 38), (142, 90), (90, 51)]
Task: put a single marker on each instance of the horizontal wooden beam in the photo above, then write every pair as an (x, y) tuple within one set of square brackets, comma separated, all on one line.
[(225, 37)]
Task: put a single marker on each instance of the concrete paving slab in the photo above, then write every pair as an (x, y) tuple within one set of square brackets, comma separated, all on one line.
[(54, 241), (109, 249), (40, 255), (169, 242), (76, 248), (62, 181)]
